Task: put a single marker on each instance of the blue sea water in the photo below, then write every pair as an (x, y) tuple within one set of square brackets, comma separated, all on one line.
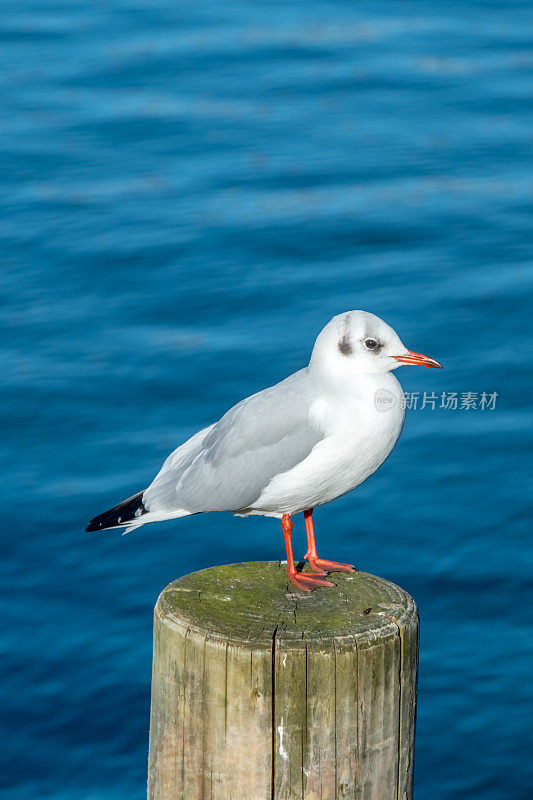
[(189, 192)]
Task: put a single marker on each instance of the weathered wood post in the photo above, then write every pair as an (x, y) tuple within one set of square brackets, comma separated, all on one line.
[(262, 692)]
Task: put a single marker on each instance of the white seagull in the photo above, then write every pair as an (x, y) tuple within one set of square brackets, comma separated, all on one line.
[(299, 444)]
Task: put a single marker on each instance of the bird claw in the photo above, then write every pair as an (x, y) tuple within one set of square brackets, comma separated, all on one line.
[(308, 582), (323, 566)]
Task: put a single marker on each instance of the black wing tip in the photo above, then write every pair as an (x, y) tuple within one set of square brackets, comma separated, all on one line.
[(118, 516), (94, 525)]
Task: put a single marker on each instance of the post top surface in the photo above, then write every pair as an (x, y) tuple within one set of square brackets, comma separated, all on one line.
[(255, 601)]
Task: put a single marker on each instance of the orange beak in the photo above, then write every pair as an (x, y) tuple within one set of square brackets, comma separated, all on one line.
[(418, 358)]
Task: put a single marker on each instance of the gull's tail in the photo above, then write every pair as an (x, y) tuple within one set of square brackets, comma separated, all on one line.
[(127, 514)]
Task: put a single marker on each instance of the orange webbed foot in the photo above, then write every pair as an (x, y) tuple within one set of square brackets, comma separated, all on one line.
[(323, 566), (308, 581)]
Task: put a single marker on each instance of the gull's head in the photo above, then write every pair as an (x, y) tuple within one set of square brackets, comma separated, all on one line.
[(358, 341)]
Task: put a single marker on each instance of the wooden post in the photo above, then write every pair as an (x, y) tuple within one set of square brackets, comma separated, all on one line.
[(264, 692)]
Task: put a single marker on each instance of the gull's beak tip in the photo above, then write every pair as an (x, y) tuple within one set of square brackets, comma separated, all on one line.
[(417, 358)]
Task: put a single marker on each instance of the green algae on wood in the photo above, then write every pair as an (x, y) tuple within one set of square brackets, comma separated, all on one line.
[(262, 691)]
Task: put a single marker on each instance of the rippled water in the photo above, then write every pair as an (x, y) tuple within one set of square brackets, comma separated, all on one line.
[(189, 192)]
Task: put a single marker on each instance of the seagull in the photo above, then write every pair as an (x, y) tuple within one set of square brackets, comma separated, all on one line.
[(298, 444)]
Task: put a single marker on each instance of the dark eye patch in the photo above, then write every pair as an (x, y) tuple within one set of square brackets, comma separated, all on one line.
[(345, 346)]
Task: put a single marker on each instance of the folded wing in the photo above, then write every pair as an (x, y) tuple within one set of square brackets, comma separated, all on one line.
[(227, 466)]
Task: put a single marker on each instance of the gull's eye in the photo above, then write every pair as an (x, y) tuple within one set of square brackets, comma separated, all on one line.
[(371, 344)]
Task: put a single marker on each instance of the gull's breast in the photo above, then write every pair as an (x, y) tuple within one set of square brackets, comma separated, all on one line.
[(359, 437)]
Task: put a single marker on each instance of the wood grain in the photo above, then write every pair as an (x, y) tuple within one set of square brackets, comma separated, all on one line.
[(262, 692)]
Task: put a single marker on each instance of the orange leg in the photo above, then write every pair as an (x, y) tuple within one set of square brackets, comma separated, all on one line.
[(320, 565), (306, 582)]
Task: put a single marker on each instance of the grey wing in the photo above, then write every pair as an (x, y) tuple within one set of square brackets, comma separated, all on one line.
[(227, 466)]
